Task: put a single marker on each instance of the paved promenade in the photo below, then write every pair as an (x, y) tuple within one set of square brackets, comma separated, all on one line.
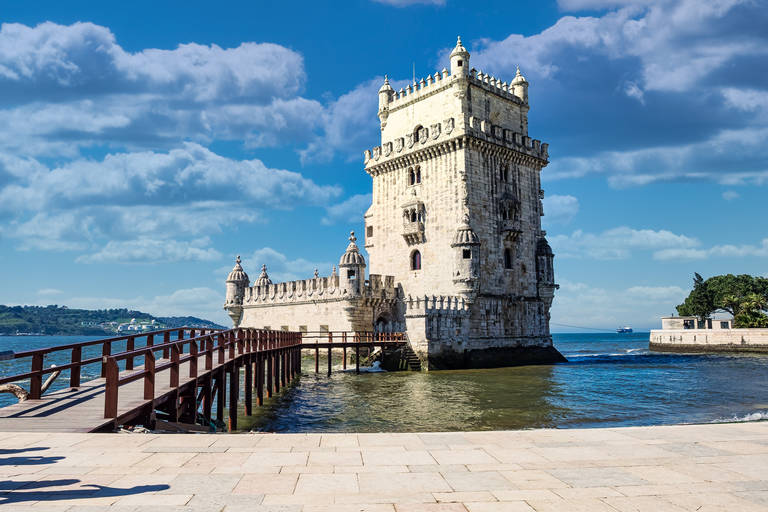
[(676, 468)]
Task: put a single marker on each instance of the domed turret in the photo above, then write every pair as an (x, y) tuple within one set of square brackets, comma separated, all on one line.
[(352, 268), (520, 86), (237, 282), (385, 96), (459, 60), (465, 259), (263, 279)]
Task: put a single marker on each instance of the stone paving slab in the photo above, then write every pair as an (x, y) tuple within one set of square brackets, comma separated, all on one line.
[(703, 468)]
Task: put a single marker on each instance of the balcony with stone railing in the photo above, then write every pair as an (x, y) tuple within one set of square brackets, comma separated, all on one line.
[(413, 232)]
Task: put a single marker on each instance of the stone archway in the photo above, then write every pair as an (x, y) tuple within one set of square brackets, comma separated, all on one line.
[(383, 323)]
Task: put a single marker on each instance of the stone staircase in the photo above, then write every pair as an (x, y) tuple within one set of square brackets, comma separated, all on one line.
[(413, 361)]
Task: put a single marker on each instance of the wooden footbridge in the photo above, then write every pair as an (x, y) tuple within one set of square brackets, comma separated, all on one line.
[(172, 377)]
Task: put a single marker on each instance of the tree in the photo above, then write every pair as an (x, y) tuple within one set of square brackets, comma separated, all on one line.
[(751, 312), (743, 296), (699, 302)]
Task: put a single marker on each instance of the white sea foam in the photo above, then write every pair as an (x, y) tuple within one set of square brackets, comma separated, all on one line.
[(755, 416)]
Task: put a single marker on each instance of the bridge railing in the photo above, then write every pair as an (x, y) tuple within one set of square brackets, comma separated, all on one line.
[(38, 371), (226, 345), (363, 337)]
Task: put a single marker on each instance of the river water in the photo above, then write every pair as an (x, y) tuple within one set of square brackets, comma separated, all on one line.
[(609, 380)]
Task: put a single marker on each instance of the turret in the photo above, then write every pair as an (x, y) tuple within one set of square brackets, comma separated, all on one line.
[(466, 258), (352, 268), (520, 86), (263, 279), (385, 96), (545, 273), (237, 282), (459, 60)]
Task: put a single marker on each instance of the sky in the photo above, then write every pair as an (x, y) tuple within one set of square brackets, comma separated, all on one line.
[(144, 144)]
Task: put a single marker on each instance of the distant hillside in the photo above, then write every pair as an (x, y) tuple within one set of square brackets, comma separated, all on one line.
[(62, 320)]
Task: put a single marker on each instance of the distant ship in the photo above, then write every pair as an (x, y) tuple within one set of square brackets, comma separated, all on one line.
[(625, 329)]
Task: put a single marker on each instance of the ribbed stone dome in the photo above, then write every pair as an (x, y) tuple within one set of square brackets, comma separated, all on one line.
[(465, 236), (263, 279), (352, 256), (459, 50), (519, 78), (237, 275), (386, 87)]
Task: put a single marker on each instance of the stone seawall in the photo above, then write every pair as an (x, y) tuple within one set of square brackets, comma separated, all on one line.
[(709, 340)]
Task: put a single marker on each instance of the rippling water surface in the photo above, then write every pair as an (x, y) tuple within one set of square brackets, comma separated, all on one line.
[(609, 380)]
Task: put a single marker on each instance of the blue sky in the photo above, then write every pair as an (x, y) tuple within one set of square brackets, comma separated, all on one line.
[(143, 145)]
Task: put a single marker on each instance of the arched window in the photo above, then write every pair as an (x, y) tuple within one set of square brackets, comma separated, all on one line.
[(411, 177), (418, 174), (414, 216), (415, 260), (507, 258)]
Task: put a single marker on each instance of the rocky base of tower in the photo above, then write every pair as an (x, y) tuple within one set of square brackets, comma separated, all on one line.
[(493, 357)]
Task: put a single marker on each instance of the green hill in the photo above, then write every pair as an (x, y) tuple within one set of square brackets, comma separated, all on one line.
[(62, 320)]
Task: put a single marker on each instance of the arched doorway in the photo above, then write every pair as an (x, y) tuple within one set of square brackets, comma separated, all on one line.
[(383, 323)]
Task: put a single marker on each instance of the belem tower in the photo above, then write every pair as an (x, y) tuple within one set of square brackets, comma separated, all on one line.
[(458, 259)]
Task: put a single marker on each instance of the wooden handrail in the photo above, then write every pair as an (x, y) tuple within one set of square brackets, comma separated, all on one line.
[(234, 343)]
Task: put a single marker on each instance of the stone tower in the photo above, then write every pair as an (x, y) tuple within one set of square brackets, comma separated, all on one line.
[(456, 218)]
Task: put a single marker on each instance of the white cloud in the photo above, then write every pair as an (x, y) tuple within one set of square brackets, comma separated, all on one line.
[(581, 5), (560, 209), (349, 211), (84, 202), (702, 160), (730, 195), (716, 251), (618, 243), (145, 250), (282, 268), (49, 292)]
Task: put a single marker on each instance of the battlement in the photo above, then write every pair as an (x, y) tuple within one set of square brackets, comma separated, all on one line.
[(420, 88), (494, 85), (439, 132), (315, 289)]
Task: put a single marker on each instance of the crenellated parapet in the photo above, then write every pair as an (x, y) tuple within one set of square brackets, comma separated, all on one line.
[(437, 135), (318, 289)]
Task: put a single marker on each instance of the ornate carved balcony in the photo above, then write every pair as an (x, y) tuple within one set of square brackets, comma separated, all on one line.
[(413, 232), (511, 229)]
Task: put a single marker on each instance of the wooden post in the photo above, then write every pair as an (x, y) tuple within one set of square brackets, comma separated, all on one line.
[(166, 341), (357, 353), (74, 372), (317, 354), (220, 347), (174, 366), (276, 362), (248, 385), (36, 381), (208, 347), (234, 388), (330, 352), (344, 349), (221, 386), (130, 346), (207, 398), (106, 350), (193, 360), (260, 378), (112, 375), (149, 376), (268, 360)]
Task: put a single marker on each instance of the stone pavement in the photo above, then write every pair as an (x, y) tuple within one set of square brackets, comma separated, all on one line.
[(672, 468)]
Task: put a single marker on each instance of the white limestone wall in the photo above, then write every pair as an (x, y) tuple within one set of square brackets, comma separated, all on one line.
[(720, 339), (294, 316)]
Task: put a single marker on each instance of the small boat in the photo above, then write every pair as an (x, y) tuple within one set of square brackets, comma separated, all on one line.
[(624, 330)]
